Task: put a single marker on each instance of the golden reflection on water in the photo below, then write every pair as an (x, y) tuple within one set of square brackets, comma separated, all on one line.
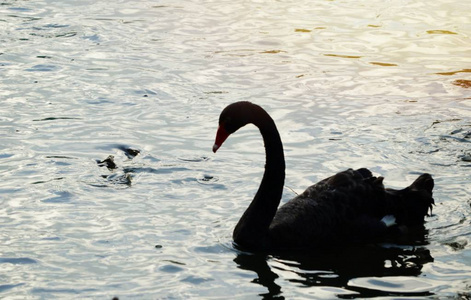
[(343, 56), (302, 30), (440, 32), (454, 72), (383, 64), (462, 83)]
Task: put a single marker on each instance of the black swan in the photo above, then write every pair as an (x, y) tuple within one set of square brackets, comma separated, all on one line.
[(349, 207)]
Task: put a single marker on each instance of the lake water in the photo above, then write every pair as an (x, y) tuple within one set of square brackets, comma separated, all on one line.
[(378, 84)]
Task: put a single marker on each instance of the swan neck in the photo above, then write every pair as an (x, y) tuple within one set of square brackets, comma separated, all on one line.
[(252, 229)]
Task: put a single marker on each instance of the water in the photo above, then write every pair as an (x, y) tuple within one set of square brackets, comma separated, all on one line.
[(383, 85)]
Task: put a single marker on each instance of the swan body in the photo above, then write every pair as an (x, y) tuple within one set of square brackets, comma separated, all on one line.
[(349, 207)]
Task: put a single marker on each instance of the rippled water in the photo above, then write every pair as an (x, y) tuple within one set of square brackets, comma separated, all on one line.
[(379, 84)]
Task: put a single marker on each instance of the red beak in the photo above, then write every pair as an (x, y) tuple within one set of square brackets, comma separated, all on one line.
[(221, 136)]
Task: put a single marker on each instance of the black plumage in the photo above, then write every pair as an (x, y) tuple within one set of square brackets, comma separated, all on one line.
[(349, 207)]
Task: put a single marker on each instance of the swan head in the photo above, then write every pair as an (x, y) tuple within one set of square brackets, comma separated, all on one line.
[(233, 117)]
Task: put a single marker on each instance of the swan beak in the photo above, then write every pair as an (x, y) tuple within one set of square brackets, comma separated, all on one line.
[(221, 136)]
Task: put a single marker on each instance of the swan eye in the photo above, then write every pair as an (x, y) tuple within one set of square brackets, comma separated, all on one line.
[(229, 125)]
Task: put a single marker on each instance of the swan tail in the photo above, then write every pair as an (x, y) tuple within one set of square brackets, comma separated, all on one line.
[(414, 202), (421, 190)]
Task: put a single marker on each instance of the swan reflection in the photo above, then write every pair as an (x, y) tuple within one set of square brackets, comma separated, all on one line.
[(339, 269)]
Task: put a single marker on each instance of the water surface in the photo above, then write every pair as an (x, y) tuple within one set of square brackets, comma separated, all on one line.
[(383, 85)]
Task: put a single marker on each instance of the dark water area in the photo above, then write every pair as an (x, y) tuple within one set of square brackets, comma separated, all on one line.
[(108, 113), (362, 269)]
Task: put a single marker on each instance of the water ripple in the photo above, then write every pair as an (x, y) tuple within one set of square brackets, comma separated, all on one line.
[(15, 261)]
